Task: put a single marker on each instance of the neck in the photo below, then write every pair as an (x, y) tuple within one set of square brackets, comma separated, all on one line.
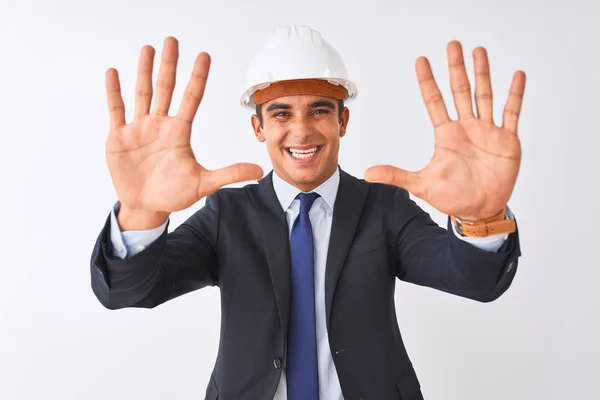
[(308, 186)]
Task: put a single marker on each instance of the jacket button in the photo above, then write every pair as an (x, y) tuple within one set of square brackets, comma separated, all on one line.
[(277, 362)]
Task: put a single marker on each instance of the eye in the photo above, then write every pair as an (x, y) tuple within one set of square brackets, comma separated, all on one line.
[(281, 114), (321, 111)]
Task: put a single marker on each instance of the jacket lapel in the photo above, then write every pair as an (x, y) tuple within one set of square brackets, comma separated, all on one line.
[(349, 202), (276, 244)]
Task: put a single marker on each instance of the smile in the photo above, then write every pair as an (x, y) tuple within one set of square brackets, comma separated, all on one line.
[(303, 153)]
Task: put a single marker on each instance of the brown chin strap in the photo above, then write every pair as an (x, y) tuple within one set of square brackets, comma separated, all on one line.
[(315, 87)]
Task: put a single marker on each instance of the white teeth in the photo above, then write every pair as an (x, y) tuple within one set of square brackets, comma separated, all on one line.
[(303, 153)]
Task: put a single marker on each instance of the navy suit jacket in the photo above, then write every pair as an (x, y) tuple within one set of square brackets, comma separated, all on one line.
[(239, 242)]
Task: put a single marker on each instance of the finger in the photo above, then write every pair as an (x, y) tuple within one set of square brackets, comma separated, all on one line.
[(195, 89), (166, 77), (212, 181), (116, 106), (431, 93), (459, 82), (143, 89), (387, 174), (512, 109), (483, 85)]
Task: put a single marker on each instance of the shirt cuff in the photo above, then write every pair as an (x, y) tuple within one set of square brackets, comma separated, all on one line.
[(489, 243), (129, 243)]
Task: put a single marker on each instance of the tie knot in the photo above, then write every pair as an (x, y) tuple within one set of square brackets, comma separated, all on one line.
[(306, 201)]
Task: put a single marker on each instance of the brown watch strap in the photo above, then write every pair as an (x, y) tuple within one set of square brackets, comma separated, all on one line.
[(495, 225)]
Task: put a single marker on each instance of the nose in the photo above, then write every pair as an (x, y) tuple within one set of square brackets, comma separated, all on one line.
[(301, 128)]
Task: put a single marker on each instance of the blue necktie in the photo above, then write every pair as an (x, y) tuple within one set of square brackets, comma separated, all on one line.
[(302, 371)]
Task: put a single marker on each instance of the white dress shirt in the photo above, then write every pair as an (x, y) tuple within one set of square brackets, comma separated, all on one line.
[(321, 215)]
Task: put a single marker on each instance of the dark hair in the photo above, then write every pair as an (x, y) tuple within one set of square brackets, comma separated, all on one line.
[(340, 104)]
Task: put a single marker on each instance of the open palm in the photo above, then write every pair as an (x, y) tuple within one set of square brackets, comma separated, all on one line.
[(151, 162), (475, 163)]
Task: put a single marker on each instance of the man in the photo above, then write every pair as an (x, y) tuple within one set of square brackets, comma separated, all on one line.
[(307, 258)]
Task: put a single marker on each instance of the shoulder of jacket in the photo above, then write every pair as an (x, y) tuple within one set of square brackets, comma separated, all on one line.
[(229, 194), (383, 189)]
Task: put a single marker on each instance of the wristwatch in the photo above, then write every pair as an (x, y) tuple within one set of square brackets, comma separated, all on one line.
[(498, 224)]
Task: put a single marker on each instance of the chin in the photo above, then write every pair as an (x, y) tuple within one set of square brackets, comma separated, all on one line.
[(304, 177), (309, 179), (305, 172)]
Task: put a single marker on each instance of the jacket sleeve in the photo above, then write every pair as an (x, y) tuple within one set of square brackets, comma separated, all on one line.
[(429, 255), (173, 264)]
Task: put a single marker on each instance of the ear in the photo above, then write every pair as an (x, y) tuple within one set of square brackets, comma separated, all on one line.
[(257, 129), (344, 122)]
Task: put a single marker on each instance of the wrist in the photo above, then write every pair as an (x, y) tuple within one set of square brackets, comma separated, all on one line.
[(483, 227), (135, 219), (487, 217)]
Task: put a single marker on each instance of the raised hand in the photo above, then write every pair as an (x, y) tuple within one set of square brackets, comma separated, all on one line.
[(150, 160), (475, 163)]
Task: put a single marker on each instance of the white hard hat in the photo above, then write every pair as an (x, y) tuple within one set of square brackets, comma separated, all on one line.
[(292, 53)]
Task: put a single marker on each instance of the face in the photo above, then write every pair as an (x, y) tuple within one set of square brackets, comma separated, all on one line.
[(302, 134)]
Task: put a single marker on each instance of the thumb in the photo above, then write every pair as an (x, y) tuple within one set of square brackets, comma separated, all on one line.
[(211, 181), (390, 175)]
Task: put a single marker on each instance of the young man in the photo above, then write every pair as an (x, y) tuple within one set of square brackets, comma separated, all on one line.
[(307, 258)]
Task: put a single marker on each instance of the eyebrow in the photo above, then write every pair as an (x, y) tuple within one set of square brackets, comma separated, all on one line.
[(322, 103), (278, 106)]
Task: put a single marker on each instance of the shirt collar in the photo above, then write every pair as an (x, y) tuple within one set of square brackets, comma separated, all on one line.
[(286, 193)]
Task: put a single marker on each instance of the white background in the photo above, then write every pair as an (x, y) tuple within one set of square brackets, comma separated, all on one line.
[(539, 341)]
